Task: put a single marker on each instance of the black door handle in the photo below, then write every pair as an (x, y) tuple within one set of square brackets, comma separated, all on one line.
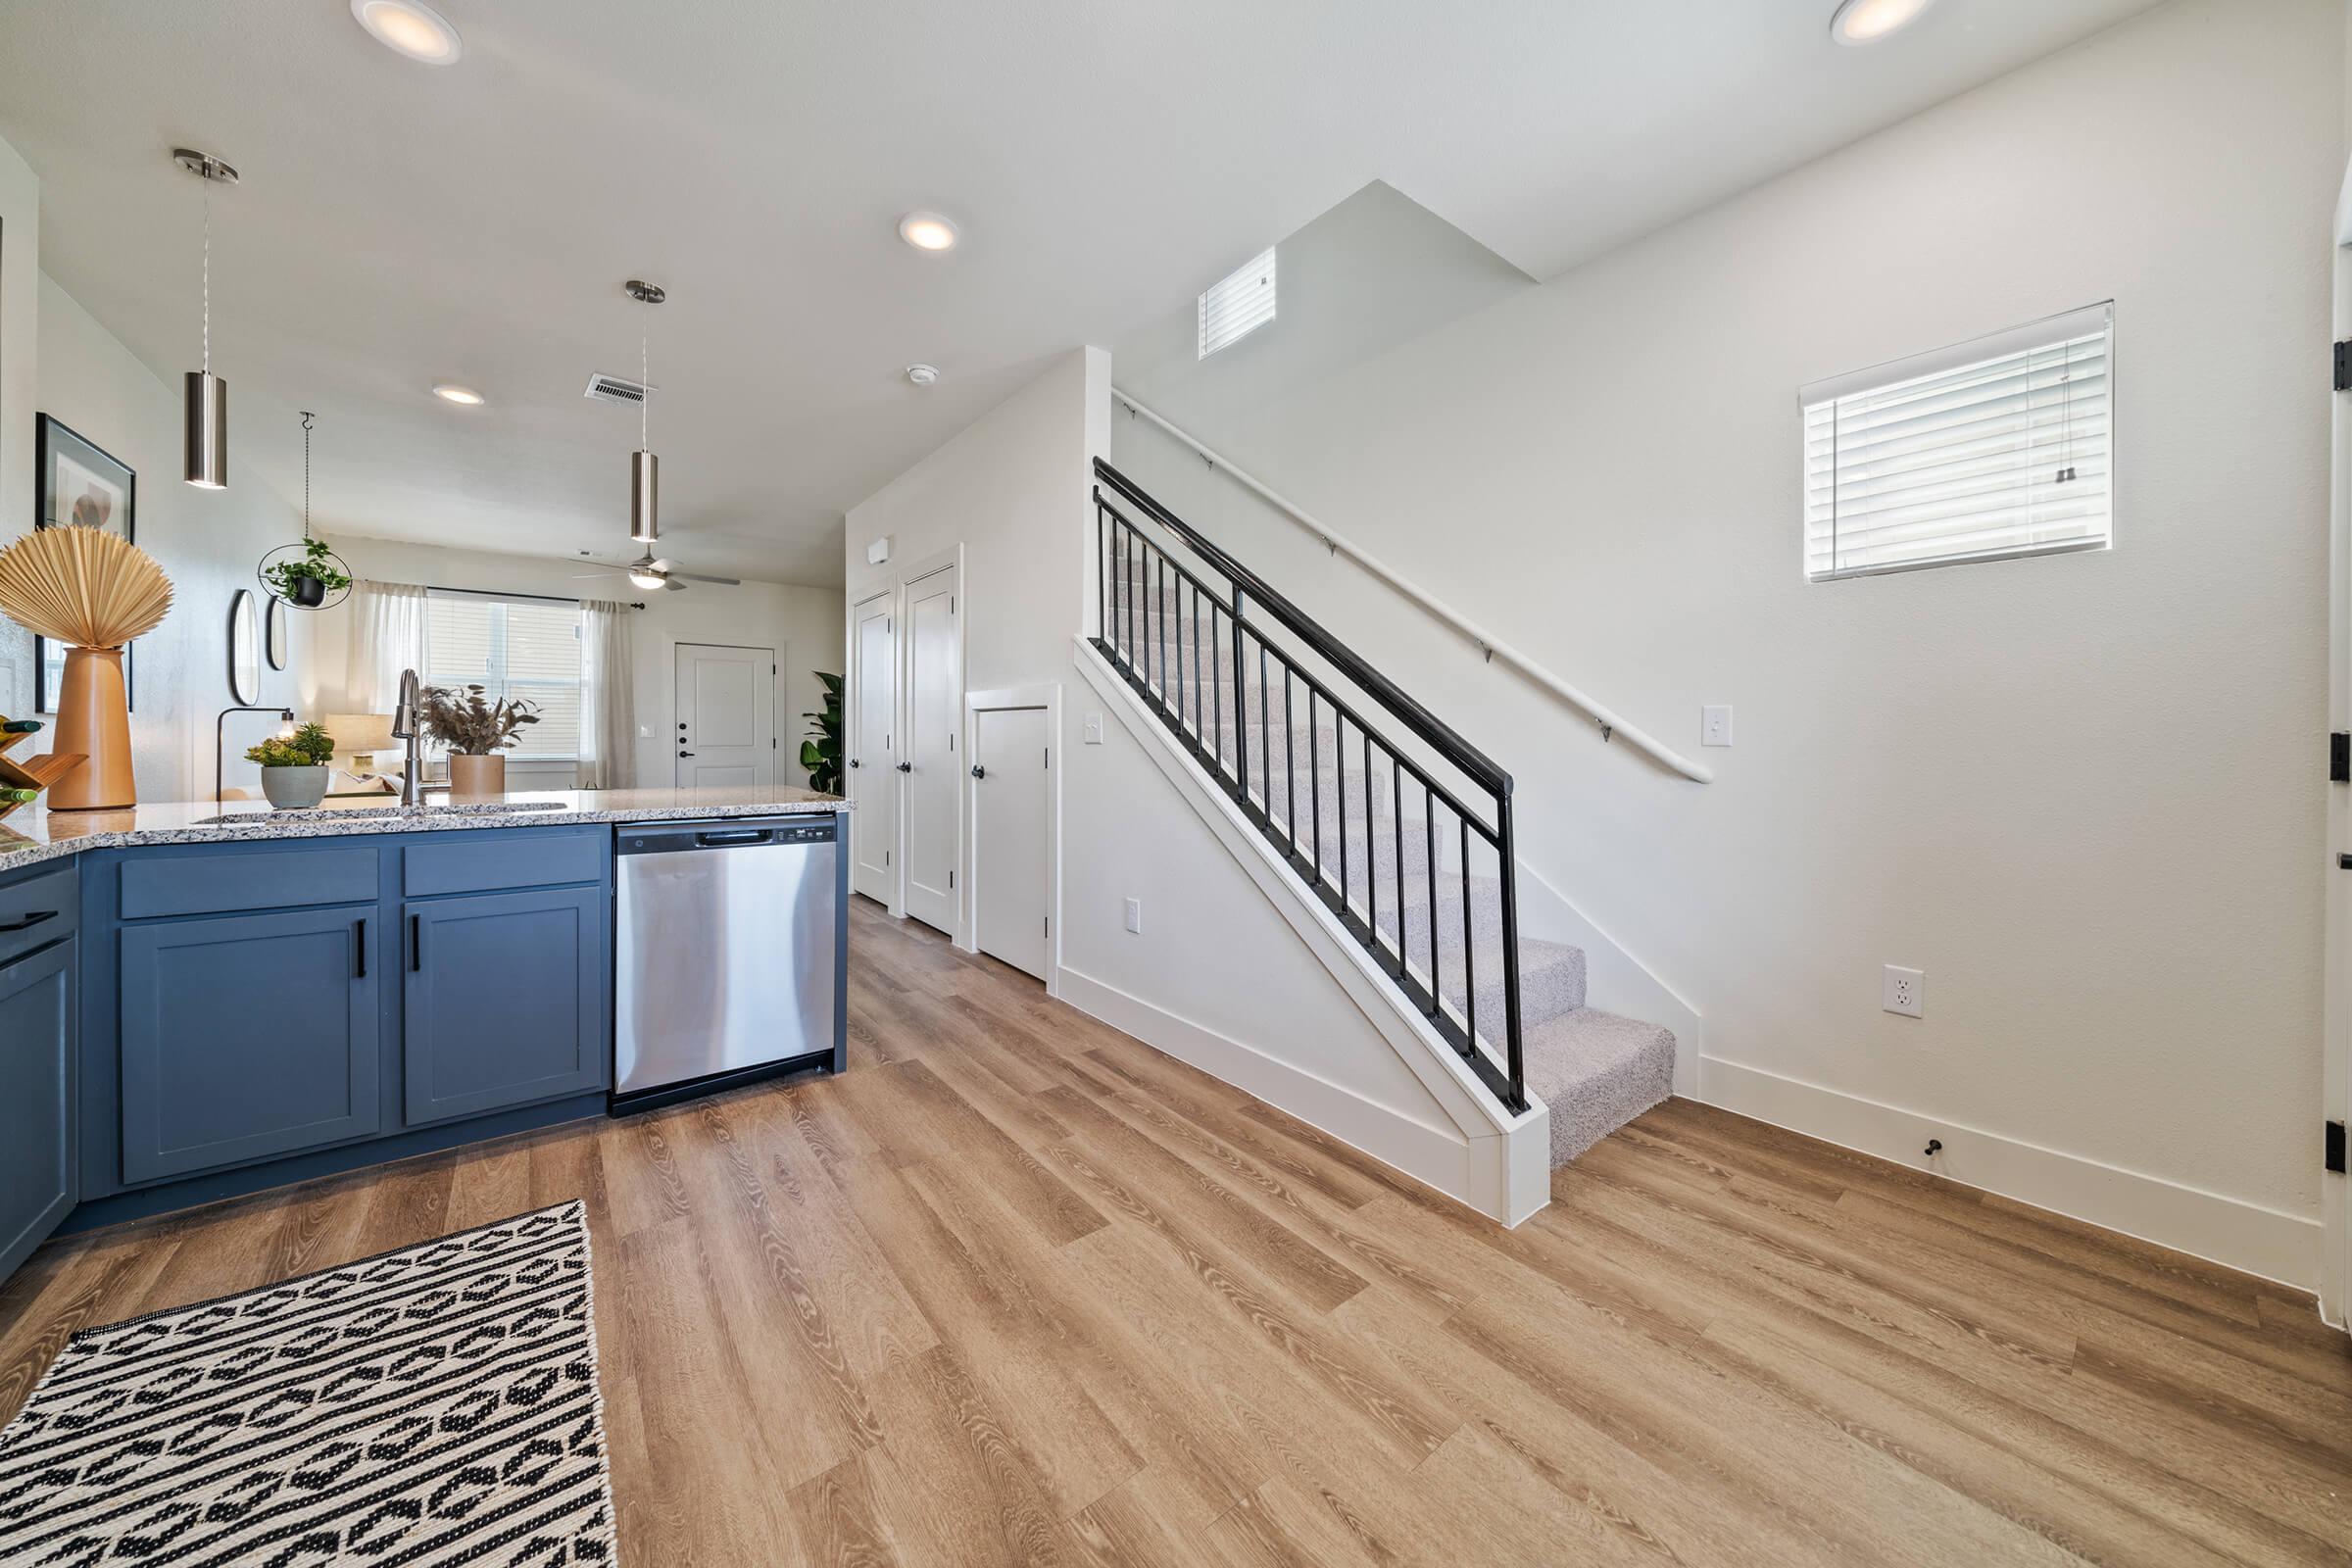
[(685, 753), (29, 921), (979, 770), (360, 947), (854, 762), (906, 767)]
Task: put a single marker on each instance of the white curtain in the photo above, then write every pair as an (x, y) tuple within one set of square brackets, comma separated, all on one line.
[(607, 681), (387, 636)]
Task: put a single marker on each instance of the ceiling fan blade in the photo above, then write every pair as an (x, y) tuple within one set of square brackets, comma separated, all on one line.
[(583, 576), (701, 576), (672, 585), (662, 565)]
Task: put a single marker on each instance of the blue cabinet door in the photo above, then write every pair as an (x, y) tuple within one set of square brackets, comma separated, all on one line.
[(37, 1184), (247, 1036), (504, 1001)]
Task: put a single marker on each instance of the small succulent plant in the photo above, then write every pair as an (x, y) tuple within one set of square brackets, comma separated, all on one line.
[(310, 746)]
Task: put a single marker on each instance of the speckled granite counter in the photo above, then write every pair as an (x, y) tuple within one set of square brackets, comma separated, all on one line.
[(32, 836)]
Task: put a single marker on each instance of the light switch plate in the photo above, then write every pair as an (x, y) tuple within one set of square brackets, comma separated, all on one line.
[(1093, 729), (1715, 724), (1135, 916)]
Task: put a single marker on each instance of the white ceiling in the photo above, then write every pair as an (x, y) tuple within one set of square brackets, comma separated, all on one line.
[(400, 224)]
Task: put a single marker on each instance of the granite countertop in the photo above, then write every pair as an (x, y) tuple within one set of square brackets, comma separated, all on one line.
[(38, 834)]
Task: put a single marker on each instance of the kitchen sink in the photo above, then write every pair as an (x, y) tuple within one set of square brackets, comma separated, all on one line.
[(448, 809)]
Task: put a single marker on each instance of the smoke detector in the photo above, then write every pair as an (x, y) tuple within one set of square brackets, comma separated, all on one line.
[(619, 389), (922, 375)]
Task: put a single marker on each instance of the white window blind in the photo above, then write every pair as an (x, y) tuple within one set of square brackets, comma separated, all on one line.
[(524, 648), (1239, 306), (1999, 447)]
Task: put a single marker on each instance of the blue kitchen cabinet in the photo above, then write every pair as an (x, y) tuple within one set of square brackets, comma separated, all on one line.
[(247, 1036), (38, 1184), (504, 997)]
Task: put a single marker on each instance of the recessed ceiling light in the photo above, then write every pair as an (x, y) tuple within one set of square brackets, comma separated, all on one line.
[(927, 231), (1860, 22), (412, 27), (451, 392)]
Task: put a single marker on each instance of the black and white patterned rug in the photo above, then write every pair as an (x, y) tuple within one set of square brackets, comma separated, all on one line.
[(433, 1405)]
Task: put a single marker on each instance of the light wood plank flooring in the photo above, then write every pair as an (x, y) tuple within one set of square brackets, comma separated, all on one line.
[(1017, 1289)]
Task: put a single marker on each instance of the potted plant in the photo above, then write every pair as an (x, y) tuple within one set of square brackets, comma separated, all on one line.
[(304, 580), (820, 753), (476, 730), (294, 767)]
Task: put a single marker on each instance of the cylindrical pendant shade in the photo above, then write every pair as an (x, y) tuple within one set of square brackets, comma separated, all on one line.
[(645, 497), (93, 718), (208, 430)]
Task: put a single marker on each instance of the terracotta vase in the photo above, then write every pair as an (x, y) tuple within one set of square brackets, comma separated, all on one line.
[(93, 717), (475, 777)]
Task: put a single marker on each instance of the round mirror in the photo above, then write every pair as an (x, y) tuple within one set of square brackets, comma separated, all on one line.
[(244, 649), (273, 633)]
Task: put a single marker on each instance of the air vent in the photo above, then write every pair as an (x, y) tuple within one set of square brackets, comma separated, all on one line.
[(617, 389)]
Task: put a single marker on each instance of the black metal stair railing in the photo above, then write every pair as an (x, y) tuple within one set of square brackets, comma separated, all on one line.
[(1190, 651)]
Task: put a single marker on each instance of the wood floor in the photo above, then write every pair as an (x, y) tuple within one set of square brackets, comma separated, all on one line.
[(1017, 1289)]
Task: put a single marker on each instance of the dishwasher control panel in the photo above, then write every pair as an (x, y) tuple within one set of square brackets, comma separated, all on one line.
[(738, 833)]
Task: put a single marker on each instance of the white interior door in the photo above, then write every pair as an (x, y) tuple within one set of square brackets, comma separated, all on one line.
[(726, 715), (1010, 818), (872, 775), (930, 770)]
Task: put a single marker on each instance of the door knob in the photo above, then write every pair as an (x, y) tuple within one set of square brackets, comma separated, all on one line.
[(979, 771), (906, 767), (685, 753), (854, 761)]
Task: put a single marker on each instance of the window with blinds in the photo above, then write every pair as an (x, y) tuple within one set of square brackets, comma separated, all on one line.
[(1239, 306), (527, 648), (1985, 450)]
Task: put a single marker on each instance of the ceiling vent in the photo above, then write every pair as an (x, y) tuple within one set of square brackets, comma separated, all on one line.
[(619, 389)]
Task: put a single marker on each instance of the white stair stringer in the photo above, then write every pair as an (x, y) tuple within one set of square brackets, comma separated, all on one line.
[(1458, 1139)]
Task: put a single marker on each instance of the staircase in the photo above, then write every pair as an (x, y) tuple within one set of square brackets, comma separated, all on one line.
[(1401, 827)]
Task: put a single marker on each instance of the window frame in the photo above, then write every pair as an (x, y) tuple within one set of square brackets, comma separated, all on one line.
[(2049, 332), (504, 687)]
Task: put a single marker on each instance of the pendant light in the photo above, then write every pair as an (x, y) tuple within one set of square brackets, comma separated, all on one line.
[(645, 470), (207, 397)]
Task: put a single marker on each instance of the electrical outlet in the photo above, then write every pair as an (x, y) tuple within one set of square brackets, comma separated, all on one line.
[(1904, 990), (1135, 916), (1715, 726), (1093, 729)]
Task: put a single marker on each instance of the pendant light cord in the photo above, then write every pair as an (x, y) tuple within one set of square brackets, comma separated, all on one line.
[(644, 377), (208, 275), (307, 417)]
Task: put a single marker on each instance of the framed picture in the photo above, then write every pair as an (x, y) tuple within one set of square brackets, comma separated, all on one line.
[(79, 484)]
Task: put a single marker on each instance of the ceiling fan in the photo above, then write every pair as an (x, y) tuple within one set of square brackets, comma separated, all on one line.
[(648, 573)]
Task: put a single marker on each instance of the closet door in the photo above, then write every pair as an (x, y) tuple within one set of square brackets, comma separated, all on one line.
[(930, 770), (873, 778), (1012, 826)]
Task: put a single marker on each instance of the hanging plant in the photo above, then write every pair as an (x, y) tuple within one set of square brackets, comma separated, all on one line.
[(306, 575), (304, 580)]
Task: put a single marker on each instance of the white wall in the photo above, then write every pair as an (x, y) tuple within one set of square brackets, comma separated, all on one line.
[(803, 625), (208, 542), (19, 336), (2082, 793)]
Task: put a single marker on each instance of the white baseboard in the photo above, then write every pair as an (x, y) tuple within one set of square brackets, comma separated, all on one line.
[(2268, 1241), (1441, 1158)]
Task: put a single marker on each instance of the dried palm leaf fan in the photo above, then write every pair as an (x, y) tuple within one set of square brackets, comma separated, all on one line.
[(93, 591)]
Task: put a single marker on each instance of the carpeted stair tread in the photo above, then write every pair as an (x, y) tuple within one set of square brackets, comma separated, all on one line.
[(1596, 1071)]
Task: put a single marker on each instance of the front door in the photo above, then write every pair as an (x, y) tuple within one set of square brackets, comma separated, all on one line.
[(873, 780), (726, 716), (929, 765)]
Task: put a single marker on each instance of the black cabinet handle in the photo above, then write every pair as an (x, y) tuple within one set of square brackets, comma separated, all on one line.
[(29, 922), (361, 948), (416, 944), (979, 770)]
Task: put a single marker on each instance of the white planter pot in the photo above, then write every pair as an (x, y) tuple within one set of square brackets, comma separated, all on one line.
[(290, 788)]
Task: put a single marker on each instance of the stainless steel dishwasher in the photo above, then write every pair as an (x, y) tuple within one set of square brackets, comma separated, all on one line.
[(730, 940)]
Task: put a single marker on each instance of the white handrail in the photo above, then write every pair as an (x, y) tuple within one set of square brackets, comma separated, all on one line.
[(1493, 647)]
